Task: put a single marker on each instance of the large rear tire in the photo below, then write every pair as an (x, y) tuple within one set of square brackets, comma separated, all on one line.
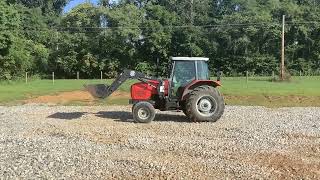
[(183, 108), (143, 112), (185, 112), (205, 104)]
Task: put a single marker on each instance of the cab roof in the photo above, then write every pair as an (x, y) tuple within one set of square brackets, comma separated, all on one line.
[(189, 59)]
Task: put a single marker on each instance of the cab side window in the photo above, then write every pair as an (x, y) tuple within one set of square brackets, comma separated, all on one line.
[(202, 70)]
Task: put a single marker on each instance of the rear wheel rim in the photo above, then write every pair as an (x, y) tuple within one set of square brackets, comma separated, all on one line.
[(206, 106), (143, 113)]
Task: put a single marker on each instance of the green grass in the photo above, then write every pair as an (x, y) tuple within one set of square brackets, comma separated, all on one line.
[(255, 87), (299, 86)]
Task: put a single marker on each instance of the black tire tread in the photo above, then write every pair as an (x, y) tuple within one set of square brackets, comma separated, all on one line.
[(190, 111), (139, 105)]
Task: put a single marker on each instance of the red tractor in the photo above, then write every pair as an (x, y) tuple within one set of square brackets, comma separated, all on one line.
[(189, 89)]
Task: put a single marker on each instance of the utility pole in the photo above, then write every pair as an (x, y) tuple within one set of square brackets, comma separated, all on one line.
[(191, 12), (57, 37), (282, 49), (191, 24)]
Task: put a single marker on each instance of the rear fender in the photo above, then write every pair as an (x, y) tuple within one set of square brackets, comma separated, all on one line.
[(197, 83)]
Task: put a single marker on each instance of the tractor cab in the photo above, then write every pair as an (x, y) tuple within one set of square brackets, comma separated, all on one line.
[(186, 70)]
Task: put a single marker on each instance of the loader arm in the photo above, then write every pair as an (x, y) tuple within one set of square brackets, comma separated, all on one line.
[(103, 90)]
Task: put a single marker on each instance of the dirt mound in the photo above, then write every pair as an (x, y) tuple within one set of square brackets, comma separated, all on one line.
[(68, 97)]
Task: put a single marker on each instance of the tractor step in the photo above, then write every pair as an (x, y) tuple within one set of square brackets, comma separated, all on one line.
[(98, 90)]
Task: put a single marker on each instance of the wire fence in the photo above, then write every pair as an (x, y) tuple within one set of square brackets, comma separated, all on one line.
[(249, 76)]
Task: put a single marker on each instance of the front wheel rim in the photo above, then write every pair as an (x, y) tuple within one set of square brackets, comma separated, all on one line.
[(143, 113), (206, 106)]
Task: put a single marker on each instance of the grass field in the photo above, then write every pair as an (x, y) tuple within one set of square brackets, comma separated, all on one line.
[(300, 91), (301, 86), (257, 91)]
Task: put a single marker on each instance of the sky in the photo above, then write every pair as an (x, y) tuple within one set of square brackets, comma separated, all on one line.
[(74, 3)]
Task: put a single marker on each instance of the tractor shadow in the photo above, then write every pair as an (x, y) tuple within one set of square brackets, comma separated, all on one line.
[(67, 116), (124, 116), (120, 116)]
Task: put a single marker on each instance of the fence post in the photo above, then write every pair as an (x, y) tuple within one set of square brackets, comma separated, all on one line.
[(78, 75), (309, 73), (101, 75), (53, 78), (247, 78), (273, 76), (26, 77)]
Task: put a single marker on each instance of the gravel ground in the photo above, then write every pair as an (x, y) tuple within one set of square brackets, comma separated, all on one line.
[(42, 141)]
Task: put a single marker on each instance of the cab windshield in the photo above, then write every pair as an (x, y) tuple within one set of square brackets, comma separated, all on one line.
[(184, 72)]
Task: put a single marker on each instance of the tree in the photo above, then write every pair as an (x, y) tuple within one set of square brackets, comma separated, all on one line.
[(46, 6), (237, 35)]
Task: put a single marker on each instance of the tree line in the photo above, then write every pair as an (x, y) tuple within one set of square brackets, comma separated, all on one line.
[(237, 35)]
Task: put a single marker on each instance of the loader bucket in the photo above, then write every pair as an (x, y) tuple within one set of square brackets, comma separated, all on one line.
[(98, 90)]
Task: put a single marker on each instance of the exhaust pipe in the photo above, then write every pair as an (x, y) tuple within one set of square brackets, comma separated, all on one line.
[(219, 75)]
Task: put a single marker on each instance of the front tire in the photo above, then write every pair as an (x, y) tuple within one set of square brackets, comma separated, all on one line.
[(205, 104), (143, 112)]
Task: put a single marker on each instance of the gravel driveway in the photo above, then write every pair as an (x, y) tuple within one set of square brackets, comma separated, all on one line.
[(41, 141)]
